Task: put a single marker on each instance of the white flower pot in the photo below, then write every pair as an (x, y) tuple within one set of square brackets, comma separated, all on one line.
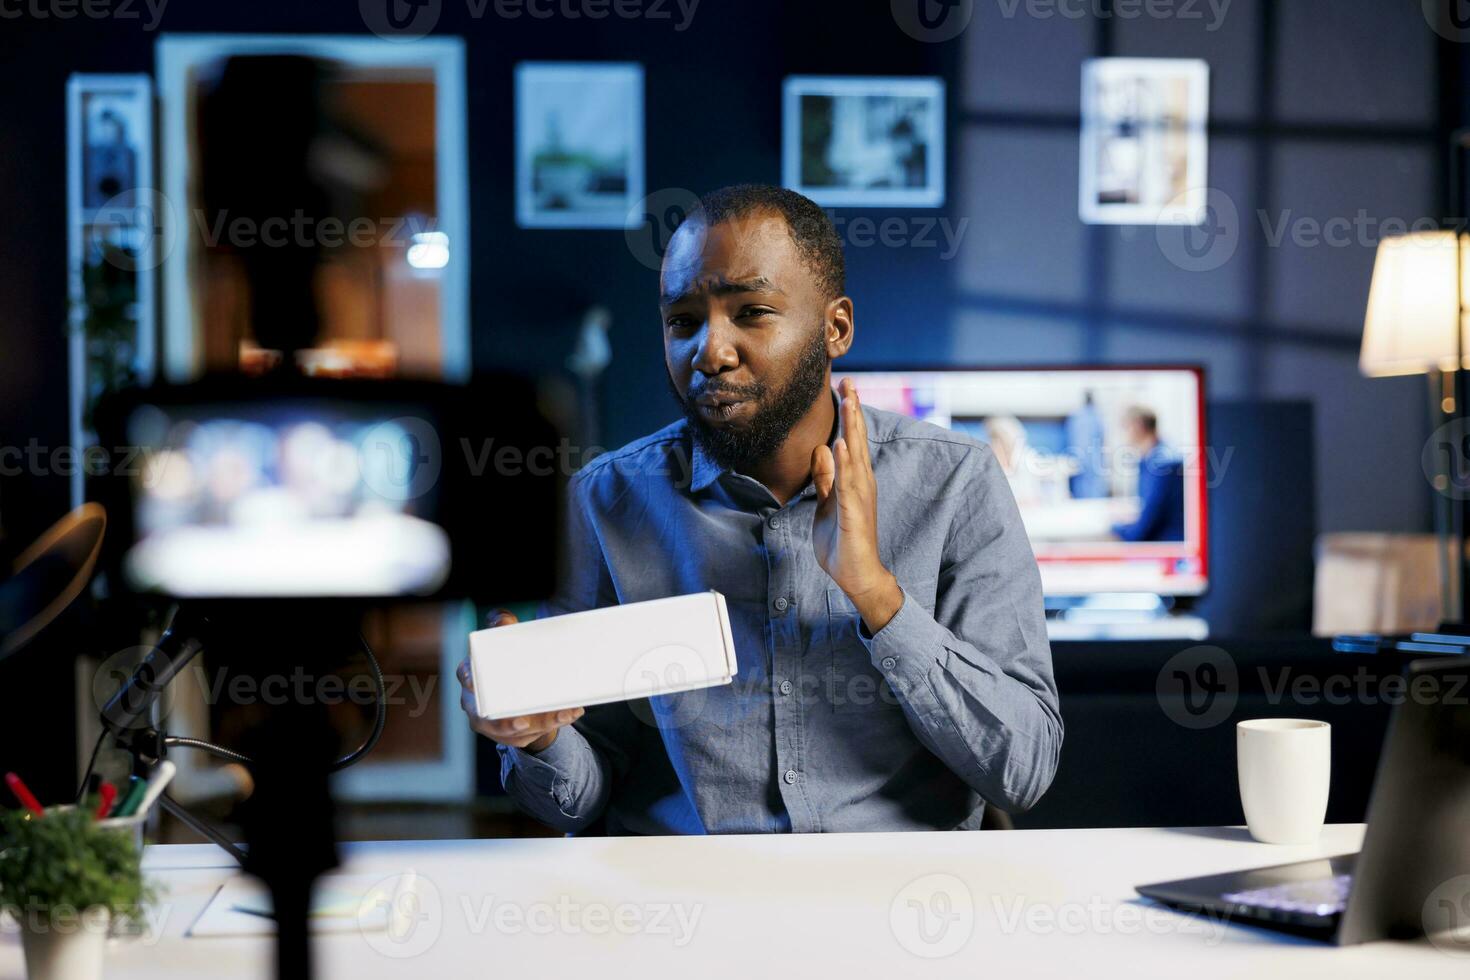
[(62, 947)]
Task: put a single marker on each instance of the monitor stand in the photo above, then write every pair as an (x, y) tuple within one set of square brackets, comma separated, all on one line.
[(1121, 616)]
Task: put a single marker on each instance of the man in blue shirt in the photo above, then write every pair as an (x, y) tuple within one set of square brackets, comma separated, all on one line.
[(1160, 483), (894, 671)]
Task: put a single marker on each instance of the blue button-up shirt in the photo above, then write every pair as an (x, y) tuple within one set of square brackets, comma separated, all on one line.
[(950, 705)]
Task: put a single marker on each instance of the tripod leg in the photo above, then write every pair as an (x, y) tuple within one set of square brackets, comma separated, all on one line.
[(201, 827)]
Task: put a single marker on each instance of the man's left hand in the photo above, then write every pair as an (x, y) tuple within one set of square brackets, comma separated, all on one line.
[(845, 529)]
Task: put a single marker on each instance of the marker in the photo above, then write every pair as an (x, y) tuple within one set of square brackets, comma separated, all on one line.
[(157, 783), (27, 799), (131, 798), (109, 793)]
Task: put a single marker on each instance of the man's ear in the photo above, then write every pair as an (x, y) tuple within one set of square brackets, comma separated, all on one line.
[(839, 327)]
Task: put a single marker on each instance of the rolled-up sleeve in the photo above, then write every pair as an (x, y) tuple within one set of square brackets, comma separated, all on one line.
[(975, 677)]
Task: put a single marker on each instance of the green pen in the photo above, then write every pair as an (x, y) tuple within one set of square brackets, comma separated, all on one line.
[(136, 788)]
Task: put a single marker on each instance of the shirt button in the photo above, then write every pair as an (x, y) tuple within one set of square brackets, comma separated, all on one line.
[(774, 523), (790, 776), (781, 603), (888, 663), (786, 687)]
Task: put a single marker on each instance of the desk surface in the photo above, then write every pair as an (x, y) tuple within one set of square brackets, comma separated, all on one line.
[(1005, 904)]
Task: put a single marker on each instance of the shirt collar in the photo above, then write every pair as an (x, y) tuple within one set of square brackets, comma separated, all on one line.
[(704, 471)]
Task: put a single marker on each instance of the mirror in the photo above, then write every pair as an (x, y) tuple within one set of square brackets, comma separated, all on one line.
[(334, 168)]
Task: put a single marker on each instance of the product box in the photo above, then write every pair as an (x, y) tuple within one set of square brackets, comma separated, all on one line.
[(618, 653)]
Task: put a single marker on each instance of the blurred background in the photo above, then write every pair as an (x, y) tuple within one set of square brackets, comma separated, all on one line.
[(495, 187)]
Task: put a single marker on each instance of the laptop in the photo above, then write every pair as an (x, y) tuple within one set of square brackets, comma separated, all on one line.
[(1418, 836)]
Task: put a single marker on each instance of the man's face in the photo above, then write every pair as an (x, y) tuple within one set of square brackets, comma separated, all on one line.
[(748, 333), (1135, 432)]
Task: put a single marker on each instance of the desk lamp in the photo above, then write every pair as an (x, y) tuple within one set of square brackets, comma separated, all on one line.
[(1416, 324)]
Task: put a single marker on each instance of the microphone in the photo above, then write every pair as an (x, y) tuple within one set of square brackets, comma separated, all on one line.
[(178, 645)]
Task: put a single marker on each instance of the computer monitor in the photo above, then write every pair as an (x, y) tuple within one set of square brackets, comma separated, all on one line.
[(1108, 464)]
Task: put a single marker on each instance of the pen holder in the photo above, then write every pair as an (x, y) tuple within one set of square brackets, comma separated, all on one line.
[(70, 882), (131, 826)]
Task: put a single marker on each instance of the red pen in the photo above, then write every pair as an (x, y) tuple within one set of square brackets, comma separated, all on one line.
[(109, 793), (27, 800)]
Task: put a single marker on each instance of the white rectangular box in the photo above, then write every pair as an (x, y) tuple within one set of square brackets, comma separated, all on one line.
[(613, 654)]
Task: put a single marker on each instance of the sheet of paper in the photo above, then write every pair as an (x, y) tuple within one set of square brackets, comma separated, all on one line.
[(339, 903)]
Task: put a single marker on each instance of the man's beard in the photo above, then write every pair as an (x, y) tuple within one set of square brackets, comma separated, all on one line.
[(739, 448)]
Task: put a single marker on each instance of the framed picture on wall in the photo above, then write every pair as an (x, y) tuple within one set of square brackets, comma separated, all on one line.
[(864, 142), (117, 232), (579, 144), (1144, 142)]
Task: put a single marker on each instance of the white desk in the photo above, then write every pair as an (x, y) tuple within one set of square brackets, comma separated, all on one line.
[(1043, 904)]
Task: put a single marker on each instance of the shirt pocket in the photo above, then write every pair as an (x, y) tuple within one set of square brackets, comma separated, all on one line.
[(854, 685)]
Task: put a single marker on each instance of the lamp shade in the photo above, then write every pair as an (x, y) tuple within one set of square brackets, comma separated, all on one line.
[(1414, 305)]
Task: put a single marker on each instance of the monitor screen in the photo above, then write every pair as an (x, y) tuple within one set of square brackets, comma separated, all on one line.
[(302, 497), (286, 487), (1108, 465)]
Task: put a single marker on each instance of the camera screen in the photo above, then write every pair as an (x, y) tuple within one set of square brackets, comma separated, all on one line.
[(305, 497)]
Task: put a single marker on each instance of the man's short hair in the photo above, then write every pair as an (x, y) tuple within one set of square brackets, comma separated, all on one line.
[(1146, 418), (812, 231)]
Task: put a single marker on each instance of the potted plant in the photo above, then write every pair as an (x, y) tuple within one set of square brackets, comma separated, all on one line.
[(64, 877)]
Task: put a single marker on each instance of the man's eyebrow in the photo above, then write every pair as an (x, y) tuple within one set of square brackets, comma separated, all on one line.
[(725, 287)]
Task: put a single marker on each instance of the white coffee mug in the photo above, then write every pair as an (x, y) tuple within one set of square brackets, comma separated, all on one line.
[(1285, 769)]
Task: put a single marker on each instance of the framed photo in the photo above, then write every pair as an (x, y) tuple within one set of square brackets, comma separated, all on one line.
[(864, 142), (1144, 144), (579, 144), (114, 242)]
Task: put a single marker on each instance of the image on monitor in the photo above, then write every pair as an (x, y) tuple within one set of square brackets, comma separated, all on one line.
[(1108, 465), (311, 497)]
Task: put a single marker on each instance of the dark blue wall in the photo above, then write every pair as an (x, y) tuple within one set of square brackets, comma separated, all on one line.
[(1319, 108)]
